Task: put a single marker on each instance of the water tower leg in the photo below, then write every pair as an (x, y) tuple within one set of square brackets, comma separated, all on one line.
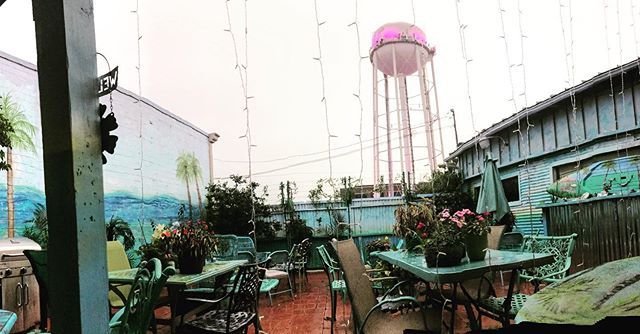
[(376, 144), (398, 108), (389, 151), (406, 125), (426, 109)]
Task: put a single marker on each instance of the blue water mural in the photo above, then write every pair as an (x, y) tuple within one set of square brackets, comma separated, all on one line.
[(160, 209), (144, 166)]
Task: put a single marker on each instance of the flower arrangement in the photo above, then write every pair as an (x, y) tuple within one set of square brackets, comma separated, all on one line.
[(409, 217), (180, 241), (444, 232), (472, 223)]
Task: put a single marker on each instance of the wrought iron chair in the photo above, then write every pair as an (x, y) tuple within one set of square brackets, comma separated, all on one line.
[(38, 260), (336, 283), (562, 249), (367, 312), (242, 306), (137, 312), (227, 248)]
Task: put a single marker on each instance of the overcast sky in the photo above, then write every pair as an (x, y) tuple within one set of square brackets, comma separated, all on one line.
[(188, 67)]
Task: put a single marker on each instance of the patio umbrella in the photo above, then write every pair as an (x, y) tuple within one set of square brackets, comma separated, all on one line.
[(492, 197)]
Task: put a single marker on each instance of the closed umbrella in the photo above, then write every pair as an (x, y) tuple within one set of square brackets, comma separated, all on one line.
[(492, 197)]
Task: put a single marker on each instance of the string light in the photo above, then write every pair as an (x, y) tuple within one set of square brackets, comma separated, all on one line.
[(624, 111), (139, 105), (465, 56), (242, 70), (324, 96)]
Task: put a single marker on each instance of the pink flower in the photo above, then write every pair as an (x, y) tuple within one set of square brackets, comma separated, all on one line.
[(459, 214), (460, 224), (420, 225), (486, 213), (480, 218), (424, 235)]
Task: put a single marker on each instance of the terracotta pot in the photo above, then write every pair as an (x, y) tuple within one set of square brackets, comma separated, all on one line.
[(453, 255), (189, 264), (476, 246)]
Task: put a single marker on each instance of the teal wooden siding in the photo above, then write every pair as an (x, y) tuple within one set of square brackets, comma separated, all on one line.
[(600, 124)]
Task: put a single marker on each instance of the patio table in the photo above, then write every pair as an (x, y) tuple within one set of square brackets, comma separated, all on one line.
[(495, 260), (178, 282), (588, 296), (7, 320)]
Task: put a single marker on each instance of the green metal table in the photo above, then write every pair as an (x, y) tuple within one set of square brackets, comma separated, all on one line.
[(586, 297), (7, 320), (495, 260), (178, 282)]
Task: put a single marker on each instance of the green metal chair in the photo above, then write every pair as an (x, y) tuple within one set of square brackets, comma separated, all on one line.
[(245, 244), (281, 263), (137, 312), (301, 261), (562, 249), (227, 248), (38, 260), (336, 283)]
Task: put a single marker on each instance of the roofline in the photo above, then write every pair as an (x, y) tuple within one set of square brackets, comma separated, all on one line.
[(32, 67), (542, 105)]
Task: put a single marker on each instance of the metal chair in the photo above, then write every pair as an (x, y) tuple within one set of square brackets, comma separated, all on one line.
[(227, 248), (367, 312), (562, 248), (334, 277), (242, 306), (137, 312), (510, 241), (245, 244), (301, 261), (281, 263)]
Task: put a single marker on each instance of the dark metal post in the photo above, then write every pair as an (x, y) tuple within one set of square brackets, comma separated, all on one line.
[(455, 127), (67, 78)]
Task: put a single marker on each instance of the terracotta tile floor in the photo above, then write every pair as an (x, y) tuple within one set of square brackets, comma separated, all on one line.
[(305, 313)]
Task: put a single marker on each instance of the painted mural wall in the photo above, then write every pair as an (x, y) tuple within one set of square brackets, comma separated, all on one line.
[(156, 153)]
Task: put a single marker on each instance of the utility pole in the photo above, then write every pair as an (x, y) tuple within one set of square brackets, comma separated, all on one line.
[(213, 137), (455, 128)]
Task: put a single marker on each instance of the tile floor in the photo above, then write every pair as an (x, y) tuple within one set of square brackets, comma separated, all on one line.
[(306, 313)]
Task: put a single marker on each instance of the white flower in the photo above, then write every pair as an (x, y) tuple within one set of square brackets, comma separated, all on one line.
[(157, 232), (175, 224)]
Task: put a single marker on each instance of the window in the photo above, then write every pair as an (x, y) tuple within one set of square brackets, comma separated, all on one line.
[(511, 189)]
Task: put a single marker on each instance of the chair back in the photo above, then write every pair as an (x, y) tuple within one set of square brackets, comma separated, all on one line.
[(245, 244), (511, 241), (117, 260), (328, 264), (136, 315), (303, 252), (494, 236), (359, 287), (38, 260), (280, 260), (246, 290), (562, 249), (227, 247)]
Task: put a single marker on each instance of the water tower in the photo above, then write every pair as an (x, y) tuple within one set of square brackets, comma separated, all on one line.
[(399, 51)]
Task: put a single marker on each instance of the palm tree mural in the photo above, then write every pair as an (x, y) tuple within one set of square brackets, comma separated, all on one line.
[(21, 139), (609, 165), (188, 169), (183, 173), (196, 174)]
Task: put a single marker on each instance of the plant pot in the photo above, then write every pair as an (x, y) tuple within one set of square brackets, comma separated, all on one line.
[(453, 255), (190, 264), (476, 246)]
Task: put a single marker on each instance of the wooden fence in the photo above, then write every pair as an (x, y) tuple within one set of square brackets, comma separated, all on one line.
[(607, 228)]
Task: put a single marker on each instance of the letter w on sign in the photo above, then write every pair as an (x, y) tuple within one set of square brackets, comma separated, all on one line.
[(108, 82)]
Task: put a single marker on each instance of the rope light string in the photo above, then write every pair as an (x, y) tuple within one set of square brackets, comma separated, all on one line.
[(605, 5), (569, 56), (324, 96), (242, 70), (139, 105), (635, 35), (624, 111), (357, 95)]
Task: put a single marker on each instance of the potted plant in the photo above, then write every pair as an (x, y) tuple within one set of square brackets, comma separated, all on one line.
[(442, 241), (190, 243), (408, 217), (475, 228)]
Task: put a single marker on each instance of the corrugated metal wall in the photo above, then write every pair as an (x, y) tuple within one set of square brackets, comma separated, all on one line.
[(607, 228)]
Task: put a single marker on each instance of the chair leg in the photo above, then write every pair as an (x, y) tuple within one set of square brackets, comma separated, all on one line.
[(501, 278), (270, 300), (334, 302), (256, 325)]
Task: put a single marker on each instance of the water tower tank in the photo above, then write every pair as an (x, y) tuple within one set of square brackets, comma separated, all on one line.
[(407, 41)]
